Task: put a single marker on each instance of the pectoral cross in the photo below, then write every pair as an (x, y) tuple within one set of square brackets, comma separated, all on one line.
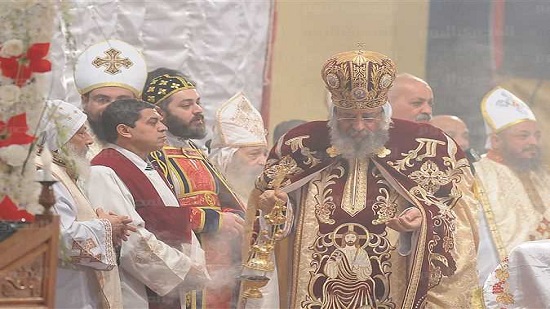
[(112, 62)]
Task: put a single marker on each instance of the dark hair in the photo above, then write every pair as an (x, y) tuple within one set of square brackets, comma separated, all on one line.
[(159, 72), (125, 111)]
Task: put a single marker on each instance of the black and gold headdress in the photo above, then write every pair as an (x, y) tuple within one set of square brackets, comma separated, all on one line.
[(164, 86)]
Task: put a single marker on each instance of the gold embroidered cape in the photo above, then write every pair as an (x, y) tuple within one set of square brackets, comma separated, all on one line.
[(335, 199)]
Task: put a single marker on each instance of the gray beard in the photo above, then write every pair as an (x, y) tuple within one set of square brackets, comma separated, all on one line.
[(76, 163), (351, 148), (242, 180)]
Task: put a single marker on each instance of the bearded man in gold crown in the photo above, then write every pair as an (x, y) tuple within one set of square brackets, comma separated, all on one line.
[(378, 212)]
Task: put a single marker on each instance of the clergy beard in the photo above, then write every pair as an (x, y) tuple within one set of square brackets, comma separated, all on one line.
[(77, 165), (242, 178), (97, 129), (350, 148), (185, 131), (521, 164)]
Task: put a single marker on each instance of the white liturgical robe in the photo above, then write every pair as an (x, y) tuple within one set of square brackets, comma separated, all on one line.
[(86, 246), (145, 260)]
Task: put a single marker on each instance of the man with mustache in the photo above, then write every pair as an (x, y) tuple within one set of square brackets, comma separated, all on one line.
[(162, 260), (216, 212), (513, 181), (411, 98), (402, 190), (87, 274), (104, 72)]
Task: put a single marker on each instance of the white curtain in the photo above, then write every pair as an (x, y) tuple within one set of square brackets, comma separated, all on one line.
[(222, 45)]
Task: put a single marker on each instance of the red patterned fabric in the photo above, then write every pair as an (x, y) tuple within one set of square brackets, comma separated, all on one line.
[(201, 189)]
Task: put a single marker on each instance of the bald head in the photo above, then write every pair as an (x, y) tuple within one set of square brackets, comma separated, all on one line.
[(411, 98), (454, 127)]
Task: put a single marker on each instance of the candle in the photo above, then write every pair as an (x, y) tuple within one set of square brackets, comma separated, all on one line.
[(46, 157)]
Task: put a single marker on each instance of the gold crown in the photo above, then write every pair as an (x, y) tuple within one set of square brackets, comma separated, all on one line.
[(359, 79), (164, 86)]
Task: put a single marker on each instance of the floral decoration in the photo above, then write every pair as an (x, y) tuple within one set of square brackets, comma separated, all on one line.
[(10, 211), (21, 67), (25, 33), (14, 132)]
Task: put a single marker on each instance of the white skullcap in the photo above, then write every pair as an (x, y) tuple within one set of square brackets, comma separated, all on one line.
[(61, 121), (237, 124), (110, 63)]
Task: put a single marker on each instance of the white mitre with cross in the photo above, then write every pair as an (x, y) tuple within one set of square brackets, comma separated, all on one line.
[(501, 109), (110, 63)]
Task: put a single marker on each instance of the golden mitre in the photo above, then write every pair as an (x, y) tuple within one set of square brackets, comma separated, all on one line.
[(359, 79)]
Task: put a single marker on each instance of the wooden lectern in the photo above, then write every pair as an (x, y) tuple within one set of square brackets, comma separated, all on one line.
[(28, 260)]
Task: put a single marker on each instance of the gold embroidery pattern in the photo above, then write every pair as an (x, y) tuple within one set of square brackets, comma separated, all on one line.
[(332, 152), (435, 271), (501, 288), (244, 117), (286, 166), (112, 62), (344, 267), (147, 252), (385, 207), (383, 152), (110, 253), (298, 143), (543, 230), (445, 223), (429, 144), (85, 251), (324, 205), (429, 177), (261, 181), (354, 199)]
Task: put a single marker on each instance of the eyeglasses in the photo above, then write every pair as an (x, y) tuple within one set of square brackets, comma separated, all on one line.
[(367, 119)]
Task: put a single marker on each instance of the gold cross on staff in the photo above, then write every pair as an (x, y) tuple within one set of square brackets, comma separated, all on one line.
[(112, 62)]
